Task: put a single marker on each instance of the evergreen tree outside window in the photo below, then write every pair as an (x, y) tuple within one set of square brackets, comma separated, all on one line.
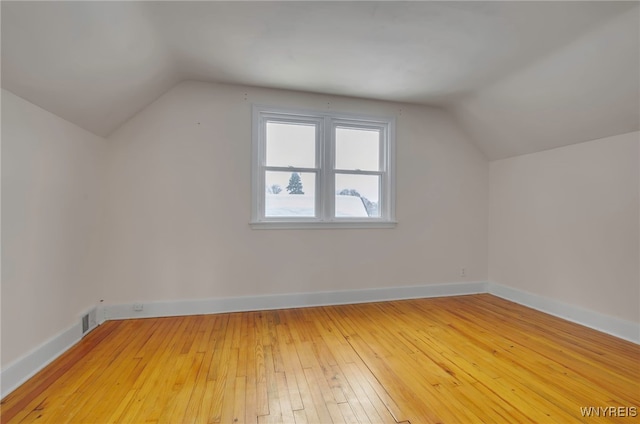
[(295, 185)]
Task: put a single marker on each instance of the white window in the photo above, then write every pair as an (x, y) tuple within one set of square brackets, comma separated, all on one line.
[(321, 169)]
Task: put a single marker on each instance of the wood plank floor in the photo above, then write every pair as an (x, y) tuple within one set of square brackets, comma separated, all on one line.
[(445, 360)]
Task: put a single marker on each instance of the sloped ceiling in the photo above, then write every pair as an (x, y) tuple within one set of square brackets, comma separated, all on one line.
[(518, 76)]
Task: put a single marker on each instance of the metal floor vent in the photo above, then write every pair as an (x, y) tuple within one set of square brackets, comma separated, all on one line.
[(89, 321)]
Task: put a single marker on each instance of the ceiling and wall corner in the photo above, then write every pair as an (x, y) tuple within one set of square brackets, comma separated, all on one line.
[(583, 91), (518, 76), (92, 63)]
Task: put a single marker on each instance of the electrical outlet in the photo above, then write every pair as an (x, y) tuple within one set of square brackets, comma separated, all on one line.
[(137, 307), (463, 272)]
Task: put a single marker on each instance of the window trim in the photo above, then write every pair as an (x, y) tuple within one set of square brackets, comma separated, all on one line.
[(326, 122)]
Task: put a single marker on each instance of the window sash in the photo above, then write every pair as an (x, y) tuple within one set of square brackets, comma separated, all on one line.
[(382, 128), (325, 171)]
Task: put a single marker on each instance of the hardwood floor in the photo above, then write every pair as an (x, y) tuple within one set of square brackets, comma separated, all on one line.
[(452, 360)]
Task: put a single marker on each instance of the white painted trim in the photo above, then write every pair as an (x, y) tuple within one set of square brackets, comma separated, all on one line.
[(617, 327), (19, 371), (27, 366), (22, 369), (100, 314), (324, 168), (324, 225), (296, 300)]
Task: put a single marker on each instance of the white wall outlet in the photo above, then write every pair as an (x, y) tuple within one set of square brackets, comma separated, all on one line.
[(463, 272), (137, 307)]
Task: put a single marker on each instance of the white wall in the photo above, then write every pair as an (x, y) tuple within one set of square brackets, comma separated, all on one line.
[(51, 179), (178, 205), (564, 224), (160, 212)]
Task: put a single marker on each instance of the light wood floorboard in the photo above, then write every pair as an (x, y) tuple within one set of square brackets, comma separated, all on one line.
[(461, 359)]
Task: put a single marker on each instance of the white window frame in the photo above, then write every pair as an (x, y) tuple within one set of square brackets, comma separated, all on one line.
[(326, 122)]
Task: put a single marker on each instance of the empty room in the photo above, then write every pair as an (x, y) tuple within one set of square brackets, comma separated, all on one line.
[(320, 212)]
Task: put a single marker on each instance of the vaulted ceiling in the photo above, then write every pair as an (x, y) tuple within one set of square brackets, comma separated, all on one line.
[(519, 77)]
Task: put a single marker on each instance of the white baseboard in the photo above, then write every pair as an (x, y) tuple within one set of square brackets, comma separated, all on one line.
[(22, 369), (623, 329), (295, 300), (25, 367)]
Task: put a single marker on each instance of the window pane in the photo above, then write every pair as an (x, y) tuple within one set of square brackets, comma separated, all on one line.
[(357, 195), (357, 149), (291, 145), (290, 194)]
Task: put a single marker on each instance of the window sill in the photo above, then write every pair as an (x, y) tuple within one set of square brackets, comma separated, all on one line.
[(315, 225)]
